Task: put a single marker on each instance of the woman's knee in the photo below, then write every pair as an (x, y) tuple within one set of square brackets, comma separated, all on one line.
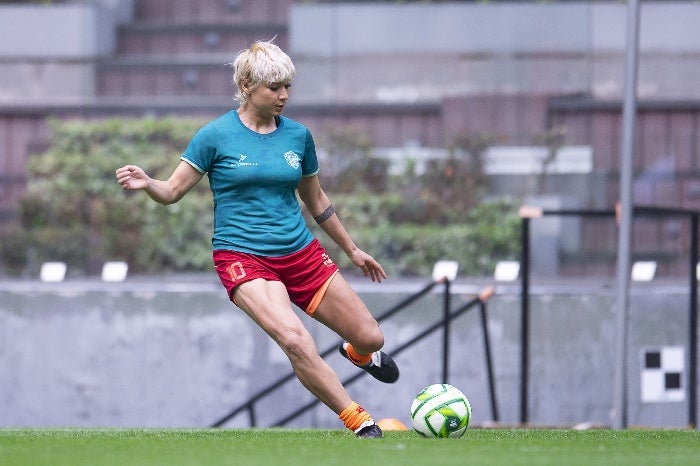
[(369, 340), (296, 343)]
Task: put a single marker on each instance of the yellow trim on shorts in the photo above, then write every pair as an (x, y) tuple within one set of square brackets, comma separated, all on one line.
[(316, 300)]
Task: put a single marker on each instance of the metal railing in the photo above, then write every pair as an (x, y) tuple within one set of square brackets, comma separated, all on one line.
[(444, 324), (528, 214)]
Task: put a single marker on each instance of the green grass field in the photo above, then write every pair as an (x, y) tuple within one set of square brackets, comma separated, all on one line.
[(272, 447)]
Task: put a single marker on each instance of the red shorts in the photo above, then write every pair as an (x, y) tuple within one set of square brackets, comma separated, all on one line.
[(305, 273)]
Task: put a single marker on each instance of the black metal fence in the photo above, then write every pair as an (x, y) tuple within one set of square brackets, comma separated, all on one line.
[(530, 214), (448, 316)]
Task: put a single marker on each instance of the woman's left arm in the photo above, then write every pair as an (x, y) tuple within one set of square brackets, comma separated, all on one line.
[(321, 208)]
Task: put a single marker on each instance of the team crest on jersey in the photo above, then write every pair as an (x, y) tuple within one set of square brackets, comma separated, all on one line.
[(292, 159)]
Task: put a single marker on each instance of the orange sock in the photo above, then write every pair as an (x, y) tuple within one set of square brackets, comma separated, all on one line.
[(358, 359), (354, 416)]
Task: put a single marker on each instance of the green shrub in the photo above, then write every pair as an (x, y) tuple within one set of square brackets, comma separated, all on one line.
[(488, 234), (75, 211)]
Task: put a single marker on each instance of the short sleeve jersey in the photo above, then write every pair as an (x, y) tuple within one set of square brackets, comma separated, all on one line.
[(253, 178)]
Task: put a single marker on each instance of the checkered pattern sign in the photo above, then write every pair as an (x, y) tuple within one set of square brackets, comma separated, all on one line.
[(662, 374)]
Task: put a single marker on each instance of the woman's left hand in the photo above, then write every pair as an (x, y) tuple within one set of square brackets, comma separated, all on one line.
[(369, 266)]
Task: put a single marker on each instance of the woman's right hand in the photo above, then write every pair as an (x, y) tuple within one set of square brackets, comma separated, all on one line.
[(132, 177)]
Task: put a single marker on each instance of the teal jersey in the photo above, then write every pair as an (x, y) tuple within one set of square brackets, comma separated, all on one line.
[(253, 178)]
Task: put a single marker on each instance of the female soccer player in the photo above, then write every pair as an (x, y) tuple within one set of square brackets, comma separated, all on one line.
[(266, 257)]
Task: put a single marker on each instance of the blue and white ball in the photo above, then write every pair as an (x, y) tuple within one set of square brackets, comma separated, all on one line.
[(441, 411)]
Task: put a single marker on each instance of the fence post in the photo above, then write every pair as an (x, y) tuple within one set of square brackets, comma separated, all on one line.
[(446, 331), (693, 324), (251, 415), (483, 297), (524, 316)]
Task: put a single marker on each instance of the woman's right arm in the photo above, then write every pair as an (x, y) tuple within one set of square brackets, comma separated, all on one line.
[(132, 178)]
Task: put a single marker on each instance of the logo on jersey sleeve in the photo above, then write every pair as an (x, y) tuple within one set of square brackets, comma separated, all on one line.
[(292, 159)]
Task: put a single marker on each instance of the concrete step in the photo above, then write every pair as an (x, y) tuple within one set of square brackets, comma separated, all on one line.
[(204, 11), (160, 39)]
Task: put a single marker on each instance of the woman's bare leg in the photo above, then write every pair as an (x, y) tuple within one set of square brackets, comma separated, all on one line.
[(267, 303), (342, 310)]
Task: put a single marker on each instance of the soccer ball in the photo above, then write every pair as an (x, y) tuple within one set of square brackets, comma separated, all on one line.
[(440, 411)]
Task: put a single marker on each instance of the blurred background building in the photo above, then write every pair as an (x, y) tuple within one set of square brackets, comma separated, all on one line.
[(543, 79), (413, 77)]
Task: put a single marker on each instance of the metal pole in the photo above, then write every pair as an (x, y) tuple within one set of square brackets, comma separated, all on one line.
[(625, 218), (446, 333), (524, 316), (251, 415), (489, 364), (693, 325)]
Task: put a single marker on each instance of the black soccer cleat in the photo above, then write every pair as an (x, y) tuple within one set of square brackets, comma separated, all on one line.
[(370, 431), (382, 367)]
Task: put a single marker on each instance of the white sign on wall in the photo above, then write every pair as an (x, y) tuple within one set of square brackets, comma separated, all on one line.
[(662, 374)]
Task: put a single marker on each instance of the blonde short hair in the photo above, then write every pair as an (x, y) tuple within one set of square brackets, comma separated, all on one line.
[(261, 63)]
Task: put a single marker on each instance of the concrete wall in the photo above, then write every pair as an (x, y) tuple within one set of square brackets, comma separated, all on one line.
[(58, 32), (48, 52), (418, 51), (177, 353), (347, 29), (384, 52)]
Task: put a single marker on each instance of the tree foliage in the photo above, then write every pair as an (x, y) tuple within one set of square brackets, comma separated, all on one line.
[(411, 246), (74, 210)]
